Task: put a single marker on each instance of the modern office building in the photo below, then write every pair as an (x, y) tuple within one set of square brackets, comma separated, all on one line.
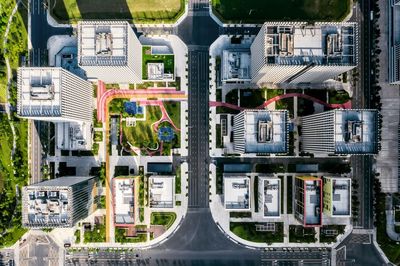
[(341, 132), (308, 200), (53, 94), (237, 193), (284, 52), (161, 191), (394, 41), (59, 202), (236, 65), (337, 196), (261, 132), (109, 51), (124, 202), (269, 197)]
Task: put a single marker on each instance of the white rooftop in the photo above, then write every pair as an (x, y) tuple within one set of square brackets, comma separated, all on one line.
[(48, 206), (39, 92), (341, 196), (236, 64), (356, 131), (270, 188), (161, 190), (312, 202), (275, 124), (155, 71), (237, 192), (123, 190), (308, 42), (74, 135), (103, 43), (301, 43)]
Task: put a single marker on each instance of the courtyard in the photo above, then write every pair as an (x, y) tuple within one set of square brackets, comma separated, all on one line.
[(156, 131)]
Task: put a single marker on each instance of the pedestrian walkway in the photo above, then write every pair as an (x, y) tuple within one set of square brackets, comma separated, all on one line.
[(346, 105)]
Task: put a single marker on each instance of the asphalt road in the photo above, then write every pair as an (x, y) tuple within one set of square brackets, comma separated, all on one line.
[(360, 251), (41, 31), (198, 127), (35, 152), (362, 165)]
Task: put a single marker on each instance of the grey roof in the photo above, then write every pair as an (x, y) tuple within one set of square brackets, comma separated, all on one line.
[(279, 120), (103, 43), (302, 44), (368, 130)]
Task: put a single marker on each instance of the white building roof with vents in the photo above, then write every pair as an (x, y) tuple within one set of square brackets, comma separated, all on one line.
[(40, 91), (103, 43), (270, 189), (161, 190), (237, 192), (124, 191)]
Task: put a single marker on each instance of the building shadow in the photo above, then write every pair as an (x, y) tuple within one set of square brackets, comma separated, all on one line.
[(116, 9)]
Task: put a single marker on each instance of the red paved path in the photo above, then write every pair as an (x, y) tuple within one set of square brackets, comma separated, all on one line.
[(346, 105)]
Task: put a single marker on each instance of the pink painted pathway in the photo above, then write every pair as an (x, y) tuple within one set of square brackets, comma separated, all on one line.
[(346, 105), (103, 96)]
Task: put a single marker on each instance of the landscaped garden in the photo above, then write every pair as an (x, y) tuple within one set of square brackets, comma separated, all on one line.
[(248, 232), (287, 10), (252, 98), (163, 218), (300, 234), (139, 11), (121, 236), (152, 133), (97, 234), (338, 97), (148, 57), (329, 233)]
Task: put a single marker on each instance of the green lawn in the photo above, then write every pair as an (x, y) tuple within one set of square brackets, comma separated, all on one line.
[(3, 90), (147, 57), (162, 218), (120, 236), (324, 238), (338, 97), (77, 235), (232, 97), (98, 234), (12, 177), (271, 93), (248, 232), (178, 180), (251, 98), (98, 136), (143, 136), (287, 10), (298, 233), (140, 11)]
